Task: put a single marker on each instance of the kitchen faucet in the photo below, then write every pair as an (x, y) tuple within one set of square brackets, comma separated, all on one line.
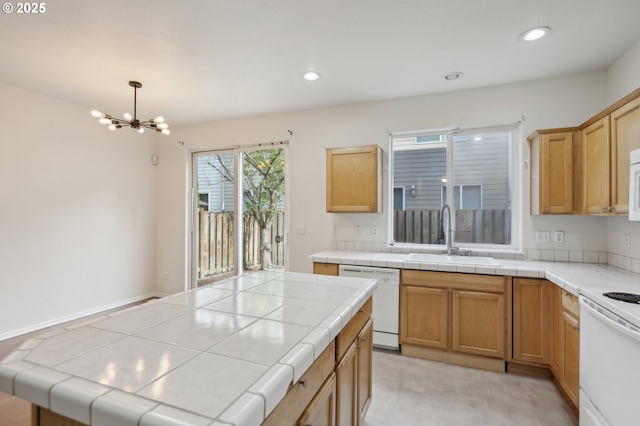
[(450, 248)]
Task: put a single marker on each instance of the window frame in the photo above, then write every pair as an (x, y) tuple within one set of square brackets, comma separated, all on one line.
[(515, 168)]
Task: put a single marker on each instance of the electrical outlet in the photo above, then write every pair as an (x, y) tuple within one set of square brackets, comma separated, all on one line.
[(542, 236), (374, 231), (627, 241), (558, 237), (300, 229)]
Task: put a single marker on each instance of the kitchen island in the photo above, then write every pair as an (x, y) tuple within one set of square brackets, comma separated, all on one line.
[(226, 353)]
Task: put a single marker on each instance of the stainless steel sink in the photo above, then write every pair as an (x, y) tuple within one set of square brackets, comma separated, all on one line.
[(444, 258)]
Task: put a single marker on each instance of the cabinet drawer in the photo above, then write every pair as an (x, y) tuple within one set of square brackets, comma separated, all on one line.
[(325, 268), (351, 331), (301, 393), (570, 303), (452, 280)]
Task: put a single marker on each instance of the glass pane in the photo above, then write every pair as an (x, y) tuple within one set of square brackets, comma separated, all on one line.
[(421, 169), (215, 215), (482, 165), (263, 210)]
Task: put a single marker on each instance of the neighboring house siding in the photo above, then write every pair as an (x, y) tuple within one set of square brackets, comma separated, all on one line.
[(484, 163), (210, 182)]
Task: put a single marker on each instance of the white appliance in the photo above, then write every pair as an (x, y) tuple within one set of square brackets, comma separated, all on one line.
[(386, 302), (609, 360), (634, 186)]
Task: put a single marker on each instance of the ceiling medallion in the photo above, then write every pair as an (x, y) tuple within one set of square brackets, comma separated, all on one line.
[(158, 124)]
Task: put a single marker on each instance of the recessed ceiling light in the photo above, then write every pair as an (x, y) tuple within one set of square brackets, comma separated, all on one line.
[(311, 76), (534, 33), (453, 75)]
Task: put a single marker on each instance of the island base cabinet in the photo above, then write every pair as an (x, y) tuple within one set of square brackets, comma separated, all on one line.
[(41, 416), (365, 370), (322, 409), (346, 376)]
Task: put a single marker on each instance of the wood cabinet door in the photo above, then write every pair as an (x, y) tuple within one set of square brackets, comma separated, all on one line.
[(571, 356), (531, 320), (625, 137), (557, 334), (365, 364), (596, 167), (423, 316), (556, 173), (346, 377), (353, 179), (322, 409), (478, 325)]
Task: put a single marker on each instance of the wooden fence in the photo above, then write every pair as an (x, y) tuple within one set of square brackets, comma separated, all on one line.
[(217, 240), (478, 226)]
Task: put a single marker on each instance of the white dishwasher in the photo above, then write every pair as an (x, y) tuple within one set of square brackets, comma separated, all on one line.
[(386, 302)]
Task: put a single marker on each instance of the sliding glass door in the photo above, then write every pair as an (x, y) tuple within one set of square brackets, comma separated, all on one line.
[(238, 212)]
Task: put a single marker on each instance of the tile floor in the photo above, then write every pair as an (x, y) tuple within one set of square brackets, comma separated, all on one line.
[(409, 391)]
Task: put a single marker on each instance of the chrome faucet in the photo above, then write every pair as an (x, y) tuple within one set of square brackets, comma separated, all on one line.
[(450, 248), (447, 230)]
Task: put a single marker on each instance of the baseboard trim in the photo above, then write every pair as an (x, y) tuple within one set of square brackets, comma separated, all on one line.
[(464, 360), (75, 316)]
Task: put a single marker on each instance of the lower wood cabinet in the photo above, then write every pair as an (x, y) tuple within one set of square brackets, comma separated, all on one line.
[(322, 409), (325, 268), (462, 313), (532, 319), (565, 363)]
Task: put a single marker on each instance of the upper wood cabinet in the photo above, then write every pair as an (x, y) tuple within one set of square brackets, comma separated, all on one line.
[(625, 137), (354, 179), (607, 140), (553, 174), (596, 151)]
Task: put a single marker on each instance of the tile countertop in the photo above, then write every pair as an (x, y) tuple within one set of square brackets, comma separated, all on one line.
[(221, 354), (589, 279)]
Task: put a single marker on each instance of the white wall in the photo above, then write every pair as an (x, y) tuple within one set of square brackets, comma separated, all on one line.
[(623, 76), (555, 102), (77, 209)]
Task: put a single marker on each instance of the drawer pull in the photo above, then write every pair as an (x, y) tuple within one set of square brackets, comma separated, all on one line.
[(303, 383)]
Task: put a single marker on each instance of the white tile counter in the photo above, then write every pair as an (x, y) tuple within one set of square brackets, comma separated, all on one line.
[(218, 355), (572, 277)]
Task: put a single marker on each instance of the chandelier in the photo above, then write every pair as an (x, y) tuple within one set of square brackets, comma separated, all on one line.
[(158, 124)]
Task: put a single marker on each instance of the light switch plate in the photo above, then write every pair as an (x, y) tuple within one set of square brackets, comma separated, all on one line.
[(542, 236)]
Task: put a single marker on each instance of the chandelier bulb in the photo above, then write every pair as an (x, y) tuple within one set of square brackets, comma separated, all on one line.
[(158, 119), (97, 114), (128, 116), (112, 127), (163, 126), (104, 120), (141, 130), (166, 131)]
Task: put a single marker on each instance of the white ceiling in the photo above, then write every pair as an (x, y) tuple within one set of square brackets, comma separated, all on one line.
[(205, 60)]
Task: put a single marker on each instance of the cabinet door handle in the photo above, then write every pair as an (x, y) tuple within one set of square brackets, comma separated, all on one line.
[(546, 209), (364, 339), (444, 293), (303, 383)]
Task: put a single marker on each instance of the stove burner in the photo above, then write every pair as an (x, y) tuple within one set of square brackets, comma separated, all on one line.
[(624, 297)]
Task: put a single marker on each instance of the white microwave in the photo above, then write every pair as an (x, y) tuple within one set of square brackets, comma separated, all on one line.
[(634, 186)]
